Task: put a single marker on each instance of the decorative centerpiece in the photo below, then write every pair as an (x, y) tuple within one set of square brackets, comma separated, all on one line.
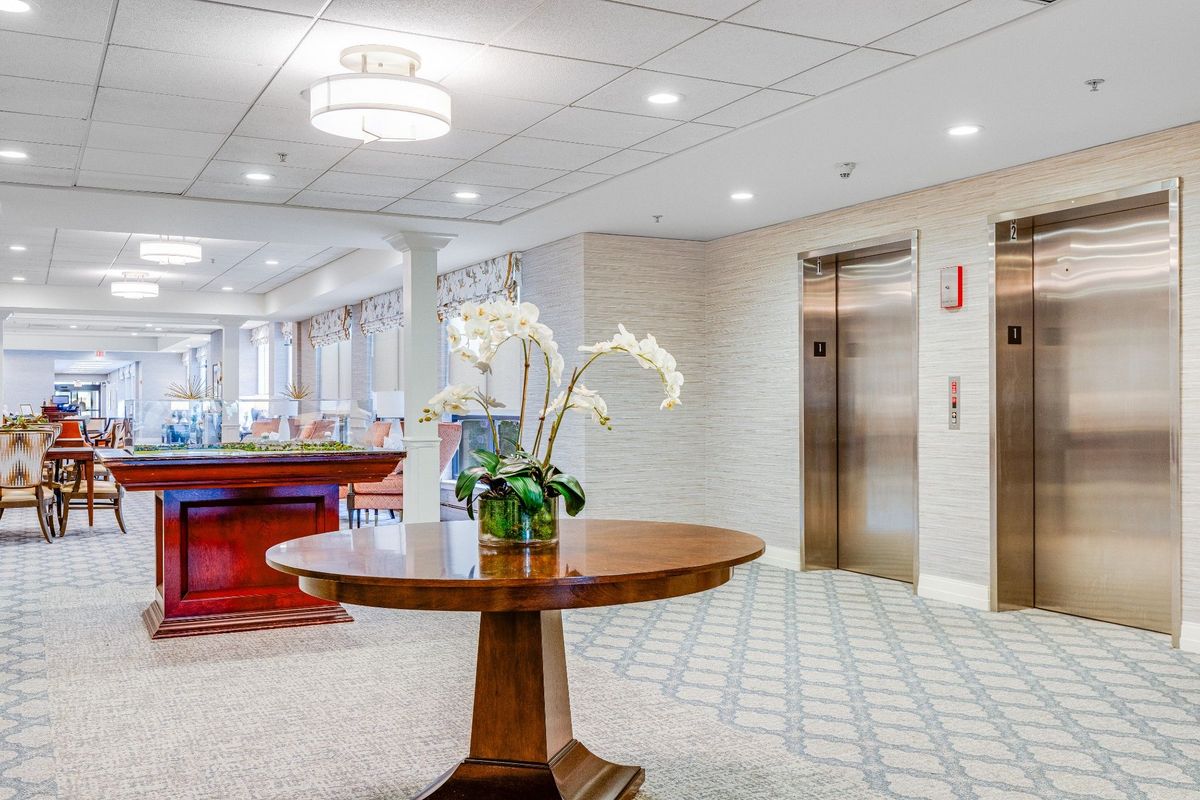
[(520, 502)]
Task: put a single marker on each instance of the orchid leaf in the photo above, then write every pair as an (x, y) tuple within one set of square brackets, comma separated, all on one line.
[(528, 490), (488, 459), (571, 491)]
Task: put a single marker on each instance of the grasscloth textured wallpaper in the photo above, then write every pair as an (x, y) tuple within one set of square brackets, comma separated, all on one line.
[(729, 309)]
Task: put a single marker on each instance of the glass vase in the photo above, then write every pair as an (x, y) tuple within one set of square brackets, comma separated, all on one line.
[(505, 522)]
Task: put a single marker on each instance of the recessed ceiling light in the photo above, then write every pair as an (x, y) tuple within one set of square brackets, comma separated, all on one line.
[(134, 333), (19, 248), (148, 325), (158, 329), (964, 130), (18, 277), (663, 98), (15, 6), (742, 196), (73, 327), (13, 154), (226, 288), (270, 262), (466, 195), (257, 176)]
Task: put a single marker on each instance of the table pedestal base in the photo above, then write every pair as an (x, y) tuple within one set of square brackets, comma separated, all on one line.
[(522, 747)]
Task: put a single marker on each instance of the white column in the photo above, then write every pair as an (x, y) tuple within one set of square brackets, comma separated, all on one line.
[(231, 330), (4, 409), (422, 494)]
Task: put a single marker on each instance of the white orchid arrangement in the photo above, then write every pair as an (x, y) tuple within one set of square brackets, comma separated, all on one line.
[(476, 333)]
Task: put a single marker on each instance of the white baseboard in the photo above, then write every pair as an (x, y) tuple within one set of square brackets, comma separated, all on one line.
[(781, 557), (951, 590), (1189, 637)]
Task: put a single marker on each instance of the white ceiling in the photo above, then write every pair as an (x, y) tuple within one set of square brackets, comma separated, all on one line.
[(183, 97), (61, 257)]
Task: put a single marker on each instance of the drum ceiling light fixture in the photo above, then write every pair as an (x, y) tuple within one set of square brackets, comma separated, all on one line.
[(135, 286), (381, 100), (170, 250)]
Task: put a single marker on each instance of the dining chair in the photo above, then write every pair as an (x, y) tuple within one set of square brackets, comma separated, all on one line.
[(264, 426), (388, 494), (106, 494), (22, 475), (318, 429), (378, 432)]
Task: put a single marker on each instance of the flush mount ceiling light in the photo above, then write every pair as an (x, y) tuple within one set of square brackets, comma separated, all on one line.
[(663, 98), (15, 6), (226, 288), (741, 196), (13, 154), (134, 286), (17, 248), (382, 100), (466, 195), (270, 262), (18, 278), (964, 130), (170, 250), (257, 176)]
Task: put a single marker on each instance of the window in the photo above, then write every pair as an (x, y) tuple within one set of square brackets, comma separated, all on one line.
[(333, 376), (263, 388)]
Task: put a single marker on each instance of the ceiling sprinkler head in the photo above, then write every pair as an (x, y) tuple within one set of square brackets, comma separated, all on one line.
[(1094, 83), (282, 157), (658, 218), (845, 168)]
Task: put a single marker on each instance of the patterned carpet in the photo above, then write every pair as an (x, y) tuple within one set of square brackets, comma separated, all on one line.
[(826, 685)]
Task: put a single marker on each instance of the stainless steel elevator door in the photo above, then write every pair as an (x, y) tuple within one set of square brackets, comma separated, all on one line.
[(876, 391), (1102, 418)]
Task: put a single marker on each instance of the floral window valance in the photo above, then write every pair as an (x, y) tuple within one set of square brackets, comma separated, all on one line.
[(383, 312), (329, 327), (260, 335), (288, 331), (496, 277)]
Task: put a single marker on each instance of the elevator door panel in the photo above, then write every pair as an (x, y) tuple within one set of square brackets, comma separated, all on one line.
[(876, 415), (1102, 418)]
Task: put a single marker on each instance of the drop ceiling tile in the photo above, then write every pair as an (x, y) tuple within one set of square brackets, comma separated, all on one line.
[(184, 75), (458, 143), (574, 182), (497, 214), (266, 151), (444, 191), (28, 96), (484, 112), (432, 208), (305, 8), (605, 128), (467, 20), (354, 183), (709, 9), (78, 19), (43, 155), (843, 70), (759, 105), (685, 136), (505, 175), (955, 25), (530, 76), (58, 278), (38, 128), (134, 183), (746, 55), (289, 124), (628, 94), (624, 161), (396, 165), (353, 202), (533, 199), (160, 110), (234, 191), (600, 31), (208, 29), (126, 162), (530, 152), (49, 58), (852, 21), (48, 176), (141, 139)]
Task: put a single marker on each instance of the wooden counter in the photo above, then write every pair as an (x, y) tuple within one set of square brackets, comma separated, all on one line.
[(218, 511)]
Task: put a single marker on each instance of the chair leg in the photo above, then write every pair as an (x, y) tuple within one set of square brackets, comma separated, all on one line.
[(392, 512), (62, 520), (41, 510), (120, 519)]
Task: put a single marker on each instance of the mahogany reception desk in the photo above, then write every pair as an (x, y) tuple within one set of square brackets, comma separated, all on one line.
[(218, 511)]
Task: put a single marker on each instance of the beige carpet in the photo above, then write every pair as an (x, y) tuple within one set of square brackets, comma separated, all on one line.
[(370, 710)]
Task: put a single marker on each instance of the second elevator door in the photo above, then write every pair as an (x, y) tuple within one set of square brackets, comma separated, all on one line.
[(876, 427), (1102, 410)]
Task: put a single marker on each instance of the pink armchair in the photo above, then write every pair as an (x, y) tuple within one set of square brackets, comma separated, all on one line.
[(388, 494)]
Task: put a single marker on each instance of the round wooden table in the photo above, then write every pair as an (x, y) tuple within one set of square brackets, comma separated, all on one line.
[(522, 747)]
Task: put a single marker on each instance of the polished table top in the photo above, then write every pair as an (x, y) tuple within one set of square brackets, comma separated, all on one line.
[(441, 566)]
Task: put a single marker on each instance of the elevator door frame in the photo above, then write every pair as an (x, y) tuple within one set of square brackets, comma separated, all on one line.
[(807, 546), (1011, 478)]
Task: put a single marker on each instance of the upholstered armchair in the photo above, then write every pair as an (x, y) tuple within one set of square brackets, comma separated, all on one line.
[(264, 427), (318, 429), (22, 470), (388, 494)]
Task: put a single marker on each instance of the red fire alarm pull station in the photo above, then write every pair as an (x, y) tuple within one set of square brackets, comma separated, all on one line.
[(952, 285)]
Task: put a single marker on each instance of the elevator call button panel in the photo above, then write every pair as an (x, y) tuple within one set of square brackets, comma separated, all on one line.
[(952, 287), (954, 405)]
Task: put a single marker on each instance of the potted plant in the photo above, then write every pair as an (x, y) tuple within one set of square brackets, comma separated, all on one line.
[(519, 503)]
